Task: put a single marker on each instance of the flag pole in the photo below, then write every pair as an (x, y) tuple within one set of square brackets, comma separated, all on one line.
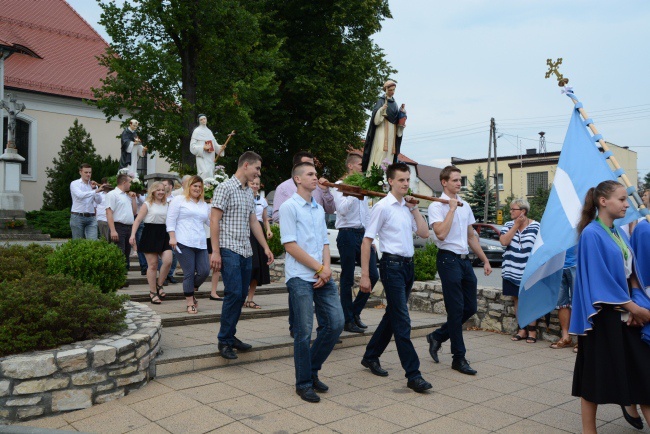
[(609, 155)]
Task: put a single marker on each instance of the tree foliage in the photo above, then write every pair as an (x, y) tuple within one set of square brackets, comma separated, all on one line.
[(646, 181), (77, 148), (476, 198), (288, 76)]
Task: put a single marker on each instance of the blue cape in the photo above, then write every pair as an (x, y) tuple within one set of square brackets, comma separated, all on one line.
[(640, 243), (600, 278)]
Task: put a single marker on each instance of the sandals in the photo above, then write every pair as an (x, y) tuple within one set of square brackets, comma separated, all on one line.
[(252, 305), (160, 292), (517, 337), (563, 343), (575, 349), (191, 309), (154, 299), (531, 339)]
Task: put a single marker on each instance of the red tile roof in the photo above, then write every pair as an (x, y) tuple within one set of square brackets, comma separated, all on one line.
[(404, 159), (66, 47)]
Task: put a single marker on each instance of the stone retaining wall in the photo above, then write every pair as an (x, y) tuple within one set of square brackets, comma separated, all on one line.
[(496, 312), (79, 375)]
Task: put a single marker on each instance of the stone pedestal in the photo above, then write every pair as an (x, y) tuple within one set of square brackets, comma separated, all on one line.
[(160, 176), (12, 202)]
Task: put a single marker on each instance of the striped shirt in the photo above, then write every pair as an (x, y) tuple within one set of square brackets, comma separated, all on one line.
[(518, 251)]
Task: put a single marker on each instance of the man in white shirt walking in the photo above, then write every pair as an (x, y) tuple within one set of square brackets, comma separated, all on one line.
[(394, 220), (85, 196), (453, 228), (351, 220), (120, 209)]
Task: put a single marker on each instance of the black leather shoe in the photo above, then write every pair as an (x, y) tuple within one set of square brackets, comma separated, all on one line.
[(463, 367), (374, 367), (339, 341), (241, 346), (434, 347), (359, 323), (171, 280), (308, 394), (636, 422), (291, 334), (227, 352), (420, 385), (143, 272), (165, 283), (319, 386), (352, 328)]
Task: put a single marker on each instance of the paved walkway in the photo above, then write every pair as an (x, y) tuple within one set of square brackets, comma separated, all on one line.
[(520, 388)]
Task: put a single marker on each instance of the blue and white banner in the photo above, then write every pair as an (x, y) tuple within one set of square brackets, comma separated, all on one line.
[(581, 166)]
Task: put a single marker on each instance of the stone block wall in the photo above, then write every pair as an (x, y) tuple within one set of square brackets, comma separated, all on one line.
[(496, 312), (79, 375)]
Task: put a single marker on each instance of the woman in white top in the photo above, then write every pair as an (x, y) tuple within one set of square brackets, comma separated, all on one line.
[(260, 272), (154, 242), (185, 219)]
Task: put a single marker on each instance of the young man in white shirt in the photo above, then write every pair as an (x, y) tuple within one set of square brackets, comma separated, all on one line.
[(309, 279), (351, 220), (452, 225), (85, 195), (120, 209), (394, 220)]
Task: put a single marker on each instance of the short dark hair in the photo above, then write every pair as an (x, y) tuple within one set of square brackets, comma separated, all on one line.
[(104, 180), (85, 166), (248, 157), (123, 177), (297, 169), (298, 156), (390, 171), (447, 171)]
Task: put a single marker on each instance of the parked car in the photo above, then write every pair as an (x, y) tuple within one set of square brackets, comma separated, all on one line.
[(488, 235), (332, 233)]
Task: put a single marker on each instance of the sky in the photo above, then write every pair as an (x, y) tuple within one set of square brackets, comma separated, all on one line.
[(461, 63)]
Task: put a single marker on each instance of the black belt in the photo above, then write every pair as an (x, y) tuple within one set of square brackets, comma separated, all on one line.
[(449, 252), (395, 258), (357, 230), (84, 214), (122, 224)]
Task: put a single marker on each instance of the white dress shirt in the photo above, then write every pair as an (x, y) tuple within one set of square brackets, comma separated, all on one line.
[(350, 211), (100, 209), (84, 197), (456, 239), (121, 205), (186, 219), (394, 224)]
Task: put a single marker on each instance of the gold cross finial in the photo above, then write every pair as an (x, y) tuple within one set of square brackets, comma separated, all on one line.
[(553, 69)]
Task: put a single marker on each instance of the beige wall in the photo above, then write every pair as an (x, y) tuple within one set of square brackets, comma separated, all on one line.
[(50, 118), (515, 179)]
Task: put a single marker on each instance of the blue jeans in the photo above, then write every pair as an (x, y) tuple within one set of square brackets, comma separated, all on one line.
[(236, 275), (196, 267), (83, 227), (566, 288), (309, 360), (349, 245), (397, 278), (459, 294), (141, 257)]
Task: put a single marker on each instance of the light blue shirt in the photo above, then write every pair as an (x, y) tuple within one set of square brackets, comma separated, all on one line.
[(303, 223)]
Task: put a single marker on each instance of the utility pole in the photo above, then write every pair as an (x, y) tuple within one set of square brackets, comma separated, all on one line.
[(496, 167), (487, 176)]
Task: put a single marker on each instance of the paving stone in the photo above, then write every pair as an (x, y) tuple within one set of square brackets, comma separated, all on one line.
[(29, 366), (111, 419), (364, 423), (279, 421), (196, 420)]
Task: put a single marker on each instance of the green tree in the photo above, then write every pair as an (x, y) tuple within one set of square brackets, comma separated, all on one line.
[(77, 148), (476, 198), (331, 74), (169, 61), (538, 203), (646, 181)]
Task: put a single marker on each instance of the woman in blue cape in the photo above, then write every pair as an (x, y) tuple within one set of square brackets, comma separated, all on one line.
[(611, 366)]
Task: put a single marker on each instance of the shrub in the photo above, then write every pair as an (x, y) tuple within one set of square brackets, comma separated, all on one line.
[(424, 261), (55, 223), (95, 262), (275, 243), (39, 312), (16, 260)]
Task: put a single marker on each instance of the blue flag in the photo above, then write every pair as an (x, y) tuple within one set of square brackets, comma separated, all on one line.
[(581, 166)]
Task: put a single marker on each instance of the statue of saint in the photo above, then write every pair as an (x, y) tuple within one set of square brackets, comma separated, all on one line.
[(132, 148), (204, 146), (385, 131)]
